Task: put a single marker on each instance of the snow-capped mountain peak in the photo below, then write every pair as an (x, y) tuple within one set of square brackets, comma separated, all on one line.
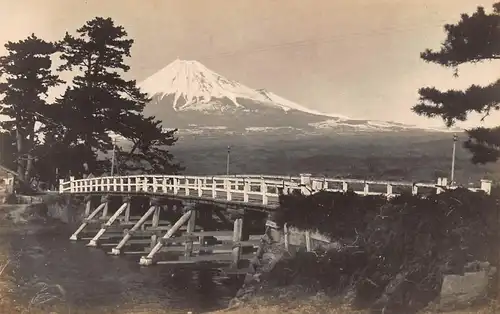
[(187, 93), (194, 86)]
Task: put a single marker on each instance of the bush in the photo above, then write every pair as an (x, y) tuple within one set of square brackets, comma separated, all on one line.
[(407, 244)]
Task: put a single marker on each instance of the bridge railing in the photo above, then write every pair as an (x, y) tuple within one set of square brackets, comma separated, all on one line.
[(261, 189)]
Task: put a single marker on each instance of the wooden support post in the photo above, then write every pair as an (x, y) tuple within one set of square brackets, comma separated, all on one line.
[(286, 236), (223, 218), (156, 220), (188, 248), (238, 224), (108, 224), (74, 236), (88, 205), (127, 211), (105, 200), (246, 225), (148, 260), (308, 241), (366, 189), (128, 235)]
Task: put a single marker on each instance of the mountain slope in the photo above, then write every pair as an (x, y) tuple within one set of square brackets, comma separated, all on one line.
[(187, 95)]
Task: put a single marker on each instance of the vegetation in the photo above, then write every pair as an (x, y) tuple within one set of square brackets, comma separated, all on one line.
[(398, 250), (77, 128), (473, 39), (28, 77)]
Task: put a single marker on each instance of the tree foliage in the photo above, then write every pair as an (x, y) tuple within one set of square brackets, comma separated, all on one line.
[(27, 77), (101, 102), (475, 38), (396, 251)]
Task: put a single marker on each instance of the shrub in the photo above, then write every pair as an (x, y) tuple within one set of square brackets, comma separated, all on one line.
[(407, 243)]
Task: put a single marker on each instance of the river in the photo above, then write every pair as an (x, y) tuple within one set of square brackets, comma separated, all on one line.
[(47, 270)]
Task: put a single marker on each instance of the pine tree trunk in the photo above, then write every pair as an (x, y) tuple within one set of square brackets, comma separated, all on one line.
[(20, 151), (29, 155)]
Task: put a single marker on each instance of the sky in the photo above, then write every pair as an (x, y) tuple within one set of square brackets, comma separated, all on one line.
[(358, 58)]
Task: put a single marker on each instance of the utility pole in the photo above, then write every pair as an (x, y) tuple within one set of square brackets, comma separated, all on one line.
[(455, 139), (113, 157), (227, 160)]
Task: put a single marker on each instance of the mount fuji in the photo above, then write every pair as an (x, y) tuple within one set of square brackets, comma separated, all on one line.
[(189, 96)]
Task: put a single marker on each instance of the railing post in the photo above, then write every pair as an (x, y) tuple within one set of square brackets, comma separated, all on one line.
[(164, 187), (186, 186), (389, 190), (366, 189), (414, 189), (263, 190), (345, 187), (227, 186), (199, 184), (486, 186), (176, 185), (439, 189), (72, 184), (61, 185), (155, 185), (246, 189), (214, 187), (305, 183)]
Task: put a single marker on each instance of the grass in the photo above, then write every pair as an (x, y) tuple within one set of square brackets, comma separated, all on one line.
[(327, 308)]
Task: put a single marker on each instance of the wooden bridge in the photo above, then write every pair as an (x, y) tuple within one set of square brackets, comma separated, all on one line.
[(188, 203)]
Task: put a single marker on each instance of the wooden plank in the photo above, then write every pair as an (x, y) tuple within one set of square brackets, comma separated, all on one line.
[(211, 233), (180, 239), (216, 257)]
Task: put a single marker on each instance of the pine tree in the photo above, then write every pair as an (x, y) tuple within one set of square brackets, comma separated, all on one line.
[(8, 150), (474, 39), (27, 77), (101, 102)]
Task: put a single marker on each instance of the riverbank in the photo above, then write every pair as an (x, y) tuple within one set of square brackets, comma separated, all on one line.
[(46, 273)]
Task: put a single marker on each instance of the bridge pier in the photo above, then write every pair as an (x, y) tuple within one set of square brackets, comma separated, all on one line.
[(121, 209), (86, 221), (128, 234), (148, 260)]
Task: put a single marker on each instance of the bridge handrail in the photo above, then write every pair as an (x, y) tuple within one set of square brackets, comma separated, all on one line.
[(247, 187)]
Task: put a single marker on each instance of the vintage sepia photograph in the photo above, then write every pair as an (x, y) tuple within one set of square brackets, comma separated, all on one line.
[(249, 156)]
